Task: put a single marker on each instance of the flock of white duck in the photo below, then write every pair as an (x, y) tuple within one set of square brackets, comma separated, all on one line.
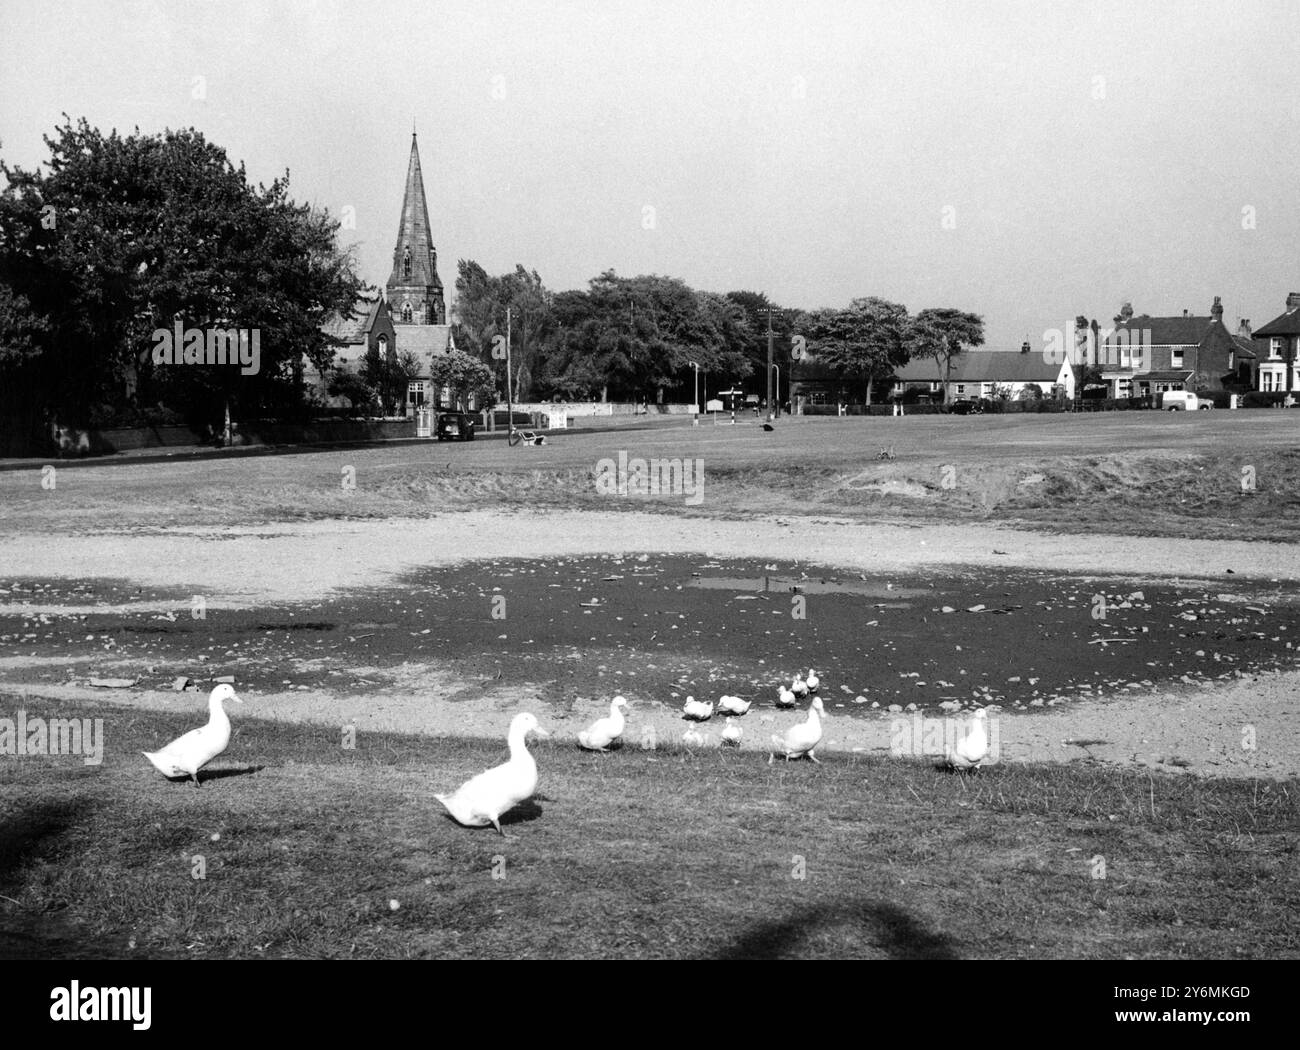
[(482, 800)]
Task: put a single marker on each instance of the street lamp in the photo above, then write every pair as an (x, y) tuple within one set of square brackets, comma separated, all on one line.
[(695, 365)]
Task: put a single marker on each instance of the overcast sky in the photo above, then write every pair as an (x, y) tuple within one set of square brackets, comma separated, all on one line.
[(1089, 152)]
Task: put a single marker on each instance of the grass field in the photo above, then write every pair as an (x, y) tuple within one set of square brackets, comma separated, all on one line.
[(637, 853), (304, 846), (1152, 473)]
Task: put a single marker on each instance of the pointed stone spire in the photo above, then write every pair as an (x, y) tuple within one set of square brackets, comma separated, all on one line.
[(414, 281)]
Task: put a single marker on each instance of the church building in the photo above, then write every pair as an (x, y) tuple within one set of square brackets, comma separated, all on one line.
[(411, 317), (414, 291)]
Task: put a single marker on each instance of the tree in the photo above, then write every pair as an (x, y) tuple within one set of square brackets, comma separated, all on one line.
[(943, 334), (481, 305), (863, 342), (125, 236), (348, 384), (466, 377)]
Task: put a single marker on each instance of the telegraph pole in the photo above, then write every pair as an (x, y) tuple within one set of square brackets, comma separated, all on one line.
[(510, 404), (769, 310)]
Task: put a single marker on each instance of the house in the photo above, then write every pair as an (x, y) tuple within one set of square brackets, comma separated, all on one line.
[(366, 329), (1143, 356), (988, 373), (1278, 349)]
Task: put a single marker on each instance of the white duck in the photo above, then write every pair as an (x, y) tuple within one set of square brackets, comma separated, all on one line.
[(604, 731), (785, 698), (731, 733), (733, 705), (694, 738), (697, 709), (973, 748), (481, 800), (801, 739), (799, 687), (187, 754), (812, 681)]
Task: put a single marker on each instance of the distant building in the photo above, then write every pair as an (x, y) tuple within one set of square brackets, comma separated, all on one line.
[(1144, 356), (986, 373), (1278, 349), (414, 289), (366, 329)]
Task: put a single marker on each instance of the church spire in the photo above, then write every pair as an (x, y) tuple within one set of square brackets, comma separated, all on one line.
[(414, 290)]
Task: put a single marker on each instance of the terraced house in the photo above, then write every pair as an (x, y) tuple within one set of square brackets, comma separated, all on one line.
[(1143, 356), (1278, 347)]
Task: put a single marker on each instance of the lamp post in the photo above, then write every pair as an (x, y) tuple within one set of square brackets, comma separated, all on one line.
[(770, 407), (695, 365)]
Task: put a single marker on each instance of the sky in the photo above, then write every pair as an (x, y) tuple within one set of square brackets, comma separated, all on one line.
[(1028, 162)]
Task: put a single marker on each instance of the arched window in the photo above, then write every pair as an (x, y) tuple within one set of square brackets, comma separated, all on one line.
[(406, 312), (383, 347), (406, 263)]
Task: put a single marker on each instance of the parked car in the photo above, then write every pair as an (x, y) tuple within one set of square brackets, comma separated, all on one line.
[(1183, 401), (968, 407), (454, 426)]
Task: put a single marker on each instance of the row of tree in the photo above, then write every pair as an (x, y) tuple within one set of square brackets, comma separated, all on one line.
[(119, 236), (641, 338)]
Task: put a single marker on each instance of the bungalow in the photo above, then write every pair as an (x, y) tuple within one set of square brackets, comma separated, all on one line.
[(1278, 343), (988, 373), (1143, 356)]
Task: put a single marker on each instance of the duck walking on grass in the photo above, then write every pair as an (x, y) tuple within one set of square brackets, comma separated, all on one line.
[(801, 739), (482, 800), (605, 731), (187, 754), (972, 749)]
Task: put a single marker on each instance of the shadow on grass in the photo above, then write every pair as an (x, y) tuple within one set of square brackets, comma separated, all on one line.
[(23, 832), (206, 775), (526, 811), (896, 932)]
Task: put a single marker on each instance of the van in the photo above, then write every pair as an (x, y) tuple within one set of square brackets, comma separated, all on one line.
[(1183, 400)]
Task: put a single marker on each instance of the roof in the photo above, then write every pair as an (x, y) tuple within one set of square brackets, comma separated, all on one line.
[(1174, 376), (424, 340), (1286, 324), (1164, 331), (356, 324), (984, 366)]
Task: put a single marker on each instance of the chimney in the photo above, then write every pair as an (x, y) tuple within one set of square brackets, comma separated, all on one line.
[(1292, 301), (1216, 311), (1243, 328)]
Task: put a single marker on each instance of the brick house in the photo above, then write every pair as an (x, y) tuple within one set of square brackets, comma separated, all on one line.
[(367, 328), (1143, 356), (1278, 350)]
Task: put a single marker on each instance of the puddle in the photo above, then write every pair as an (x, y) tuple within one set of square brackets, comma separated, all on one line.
[(803, 585)]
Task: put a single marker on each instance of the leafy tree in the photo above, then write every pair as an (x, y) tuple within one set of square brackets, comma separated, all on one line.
[(943, 334), (348, 384), (864, 342), (481, 305), (466, 376), (126, 235)]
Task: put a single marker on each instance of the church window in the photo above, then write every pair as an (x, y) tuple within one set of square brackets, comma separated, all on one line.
[(406, 312), (406, 263)]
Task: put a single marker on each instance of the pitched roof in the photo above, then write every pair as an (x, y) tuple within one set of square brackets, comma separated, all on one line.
[(1164, 331), (356, 324), (1285, 324), (424, 340), (1178, 375), (984, 366)]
